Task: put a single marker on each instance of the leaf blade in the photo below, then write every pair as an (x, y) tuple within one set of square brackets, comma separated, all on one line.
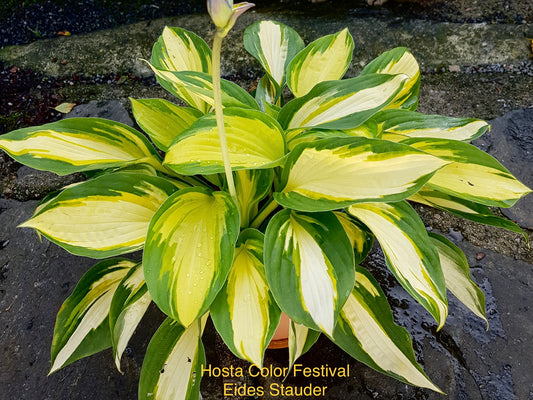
[(414, 124), (129, 304), (465, 209), (255, 140), (399, 61), (457, 275), (301, 339), (472, 174), (366, 330), (111, 213), (172, 366), (190, 245), (194, 87), (352, 170), (82, 326), (342, 104), (410, 255), (244, 312), (309, 265), (325, 59), (79, 144), (274, 45), (181, 50), (162, 120)]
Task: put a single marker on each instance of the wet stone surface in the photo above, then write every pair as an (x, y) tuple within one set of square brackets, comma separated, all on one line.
[(464, 359), (30, 184), (111, 109), (474, 363), (35, 279)]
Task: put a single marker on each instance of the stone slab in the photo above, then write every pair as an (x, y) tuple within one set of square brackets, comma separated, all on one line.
[(122, 50), (108, 109)]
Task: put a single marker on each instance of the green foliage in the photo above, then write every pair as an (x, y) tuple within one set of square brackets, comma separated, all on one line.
[(317, 179)]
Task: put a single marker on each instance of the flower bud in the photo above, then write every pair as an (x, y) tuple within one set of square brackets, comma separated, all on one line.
[(220, 12), (224, 13)]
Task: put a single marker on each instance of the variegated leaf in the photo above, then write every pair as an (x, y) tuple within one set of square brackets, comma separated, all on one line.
[(172, 367), (399, 61), (102, 217), (189, 251), (369, 130), (465, 209), (410, 254), (393, 137), (342, 104), (181, 50), (309, 265), (297, 136), (252, 186), (271, 110), (366, 330), (194, 87), (146, 169), (457, 275), (130, 302), (79, 144), (414, 124), (162, 120), (361, 238), (244, 312), (179, 181), (255, 140), (325, 59), (472, 174), (274, 45), (219, 180), (334, 173), (266, 96), (301, 339), (82, 325)]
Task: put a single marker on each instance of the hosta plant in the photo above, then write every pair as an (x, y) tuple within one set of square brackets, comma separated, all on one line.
[(262, 203)]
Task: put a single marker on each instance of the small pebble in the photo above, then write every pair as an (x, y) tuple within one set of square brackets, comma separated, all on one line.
[(480, 256), (456, 235), (454, 68)]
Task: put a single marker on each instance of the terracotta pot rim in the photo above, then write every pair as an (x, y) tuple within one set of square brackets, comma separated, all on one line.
[(280, 340), (279, 344)]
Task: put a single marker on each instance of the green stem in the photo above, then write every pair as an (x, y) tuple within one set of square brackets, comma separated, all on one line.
[(265, 212), (191, 180), (217, 97)]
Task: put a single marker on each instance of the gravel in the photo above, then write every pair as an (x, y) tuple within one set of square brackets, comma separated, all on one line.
[(520, 68)]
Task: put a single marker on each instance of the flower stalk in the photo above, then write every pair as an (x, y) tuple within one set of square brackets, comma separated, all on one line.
[(219, 113), (223, 14)]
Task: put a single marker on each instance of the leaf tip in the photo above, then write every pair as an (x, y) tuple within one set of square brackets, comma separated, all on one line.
[(26, 224)]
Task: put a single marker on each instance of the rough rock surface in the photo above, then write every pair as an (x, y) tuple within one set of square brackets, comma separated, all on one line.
[(29, 184), (122, 50), (511, 142), (110, 109)]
